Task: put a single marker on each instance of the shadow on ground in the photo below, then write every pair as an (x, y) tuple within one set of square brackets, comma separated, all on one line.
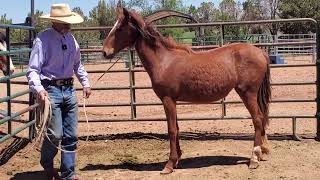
[(188, 163), (203, 136), (10, 150), (34, 175)]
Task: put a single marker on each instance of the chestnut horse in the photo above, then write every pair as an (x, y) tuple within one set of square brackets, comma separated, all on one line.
[(179, 74), (3, 58)]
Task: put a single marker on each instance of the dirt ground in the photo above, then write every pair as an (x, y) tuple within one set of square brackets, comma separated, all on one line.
[(212, 149)]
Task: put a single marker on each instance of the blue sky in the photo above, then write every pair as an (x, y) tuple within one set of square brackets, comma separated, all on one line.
[(17, 10)]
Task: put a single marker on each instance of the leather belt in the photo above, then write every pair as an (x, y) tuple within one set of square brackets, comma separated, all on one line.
[(58, 82)]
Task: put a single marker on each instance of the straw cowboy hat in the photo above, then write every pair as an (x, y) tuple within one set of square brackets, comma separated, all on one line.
[(61, 13)]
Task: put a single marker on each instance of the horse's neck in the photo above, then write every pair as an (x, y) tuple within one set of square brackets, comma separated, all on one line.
[(150, 60)]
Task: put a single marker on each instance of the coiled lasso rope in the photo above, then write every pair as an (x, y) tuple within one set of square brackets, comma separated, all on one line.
[(43, 118)]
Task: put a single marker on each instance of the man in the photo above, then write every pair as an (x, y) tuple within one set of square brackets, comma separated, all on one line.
[(55, 57)]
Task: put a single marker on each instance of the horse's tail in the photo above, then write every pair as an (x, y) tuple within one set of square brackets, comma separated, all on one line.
[(264, 94)]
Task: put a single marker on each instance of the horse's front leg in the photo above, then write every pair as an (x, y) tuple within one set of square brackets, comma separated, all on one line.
[(171, 114)]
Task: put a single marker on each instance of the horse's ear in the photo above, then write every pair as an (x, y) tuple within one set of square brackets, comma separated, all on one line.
[(119, 11), (122, 14), (126, 14), (136, 19)]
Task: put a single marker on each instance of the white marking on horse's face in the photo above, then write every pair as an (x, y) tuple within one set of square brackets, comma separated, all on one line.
[(3, 46), (113, 28), (12, 68), (110, 51)]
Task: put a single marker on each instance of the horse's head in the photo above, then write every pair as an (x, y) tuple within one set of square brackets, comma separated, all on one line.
[(3, 58), (124, 32)]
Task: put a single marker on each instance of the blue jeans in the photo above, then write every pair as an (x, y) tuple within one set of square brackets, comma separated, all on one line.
[(62, 128)]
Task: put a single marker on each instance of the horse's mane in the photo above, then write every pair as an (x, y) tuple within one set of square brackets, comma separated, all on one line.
[(150, 34)]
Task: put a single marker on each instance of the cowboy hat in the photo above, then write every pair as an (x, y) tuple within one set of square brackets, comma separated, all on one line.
[(61, 13)]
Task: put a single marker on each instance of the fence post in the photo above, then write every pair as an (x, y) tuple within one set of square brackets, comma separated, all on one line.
[(222, 35), (31, 96), (8, 81), (318, 81), (132, 84), (314, 48), (87, 54), (133, 61)]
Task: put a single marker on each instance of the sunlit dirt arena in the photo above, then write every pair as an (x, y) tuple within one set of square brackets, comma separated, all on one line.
[(212, 149)]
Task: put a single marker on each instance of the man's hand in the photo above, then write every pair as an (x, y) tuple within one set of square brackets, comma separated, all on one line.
[(42, 94), (86, 92)]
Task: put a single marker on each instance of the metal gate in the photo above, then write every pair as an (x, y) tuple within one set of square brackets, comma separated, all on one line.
[(9, 99)]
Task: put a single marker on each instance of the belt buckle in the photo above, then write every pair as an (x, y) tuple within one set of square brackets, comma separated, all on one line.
[(59, 82), (70, 82)]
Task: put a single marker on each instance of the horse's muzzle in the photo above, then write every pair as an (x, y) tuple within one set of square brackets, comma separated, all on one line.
[(108, 53)]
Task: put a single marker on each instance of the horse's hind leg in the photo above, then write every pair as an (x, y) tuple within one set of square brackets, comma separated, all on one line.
[(265, 145), (179, 152), (171, 114), (249, 98)]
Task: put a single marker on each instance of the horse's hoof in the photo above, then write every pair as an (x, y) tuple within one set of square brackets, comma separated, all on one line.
[(253, 164), (166, 170)]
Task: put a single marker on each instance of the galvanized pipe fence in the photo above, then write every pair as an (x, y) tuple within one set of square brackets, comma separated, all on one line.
[(133, 104), (10, 97)]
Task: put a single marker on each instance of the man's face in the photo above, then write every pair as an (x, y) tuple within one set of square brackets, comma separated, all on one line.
[(62, 28)]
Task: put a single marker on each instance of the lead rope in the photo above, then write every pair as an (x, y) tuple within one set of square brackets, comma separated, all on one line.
[(107, 70), (49, 119), (44, 115)]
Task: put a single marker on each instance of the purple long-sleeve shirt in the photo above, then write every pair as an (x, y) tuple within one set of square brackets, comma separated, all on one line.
[(49, 61)]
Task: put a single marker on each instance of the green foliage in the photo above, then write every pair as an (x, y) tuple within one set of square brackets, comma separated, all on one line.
[(176, 5), (104, 14), (229, 11), (15, 34), (40, 24), (145, 7), (84, 36), (99, 15), (299, 9), (5, 20)]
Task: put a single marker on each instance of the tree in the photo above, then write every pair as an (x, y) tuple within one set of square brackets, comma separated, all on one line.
[(299, 9), (40, 24), (169, 4), (143, 6), (103, 15), (270, 10), (176, 5), (252, 11), (83, 37), (5, 20), (80, 12), (229, 11), (206, 12)]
